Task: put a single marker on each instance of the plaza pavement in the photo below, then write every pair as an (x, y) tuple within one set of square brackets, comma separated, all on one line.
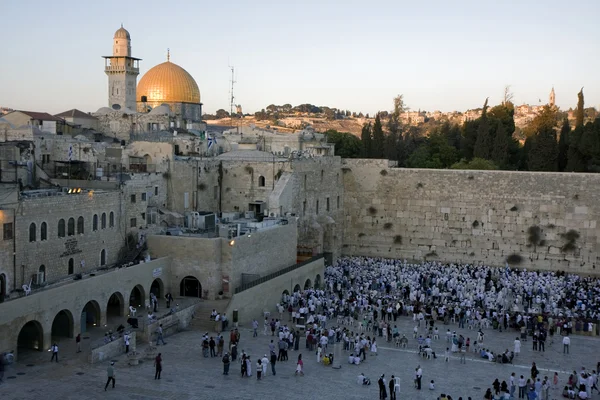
[(188, 375)]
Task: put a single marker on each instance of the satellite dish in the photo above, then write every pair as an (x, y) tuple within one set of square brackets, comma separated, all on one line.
[(116, 107)]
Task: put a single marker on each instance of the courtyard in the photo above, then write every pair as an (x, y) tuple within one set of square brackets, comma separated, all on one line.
[(188, 375)]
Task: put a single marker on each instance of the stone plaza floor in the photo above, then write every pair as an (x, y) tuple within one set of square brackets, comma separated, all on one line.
[(188, 375)]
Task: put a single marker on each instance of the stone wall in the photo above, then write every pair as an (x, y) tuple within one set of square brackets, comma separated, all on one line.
[(171, 324), (471, 216), (42, 306), (252, 302), (198, 178), (209, 260), (112, 349)]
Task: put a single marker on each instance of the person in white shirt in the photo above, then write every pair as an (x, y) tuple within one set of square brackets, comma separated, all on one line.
[(566, 344), (517, 347)]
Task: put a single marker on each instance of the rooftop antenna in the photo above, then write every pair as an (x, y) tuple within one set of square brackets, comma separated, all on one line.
[(231, 104)]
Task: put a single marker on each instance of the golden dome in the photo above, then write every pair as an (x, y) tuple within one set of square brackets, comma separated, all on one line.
[(168, 83)]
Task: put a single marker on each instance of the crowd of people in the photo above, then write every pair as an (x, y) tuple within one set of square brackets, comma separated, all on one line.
[(362, 299)]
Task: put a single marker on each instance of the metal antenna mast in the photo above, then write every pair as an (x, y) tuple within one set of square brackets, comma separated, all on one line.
[(231, 105)]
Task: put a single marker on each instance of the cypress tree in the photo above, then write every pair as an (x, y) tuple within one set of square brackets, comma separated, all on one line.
[(378, 147), (575, 159), (366, 140), (501, 145), (485, 141), (543, 155), (563, 145), (580, 111)]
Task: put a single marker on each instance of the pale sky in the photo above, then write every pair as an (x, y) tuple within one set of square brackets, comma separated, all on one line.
[(356, 55)]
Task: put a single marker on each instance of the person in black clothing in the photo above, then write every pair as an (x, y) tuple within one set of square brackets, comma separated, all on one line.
[(382, 389), (273, 361), (392, 385), (211, 345)]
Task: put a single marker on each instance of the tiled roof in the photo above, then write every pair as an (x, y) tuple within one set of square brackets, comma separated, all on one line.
[(75, 113), (42, 116)]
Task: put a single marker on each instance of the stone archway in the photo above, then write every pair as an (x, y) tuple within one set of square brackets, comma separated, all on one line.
[(190, 287), (62, 326), (296, 288), (158, 288), (115, 307), (90, 315), (307, 284), (284, 296), (137, 298), (318, 281), (31, 336)]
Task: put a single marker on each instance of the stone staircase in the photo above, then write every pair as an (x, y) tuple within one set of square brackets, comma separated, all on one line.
[(201, 321)]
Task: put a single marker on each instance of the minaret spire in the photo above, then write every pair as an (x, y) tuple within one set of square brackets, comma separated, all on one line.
[(168, 54)]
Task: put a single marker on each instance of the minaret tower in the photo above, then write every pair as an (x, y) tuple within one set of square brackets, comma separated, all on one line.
[(122, 71), (552, 100)]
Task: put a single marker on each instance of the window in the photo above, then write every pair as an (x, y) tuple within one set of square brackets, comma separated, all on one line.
[(132, 223), (8, 231), (111, 219), (32, 232), (304, 207), (261, 181), (156, 190), (143, 216), (338, 202), (61, 228), (103, 221), (71, 266), (80, 226), (186, 200), (95, 222), (42, 274), (144, 196), (317, 207), (103, 257), (327, 205), (71, 227), (44, 231), (133, 198), (305, 177)]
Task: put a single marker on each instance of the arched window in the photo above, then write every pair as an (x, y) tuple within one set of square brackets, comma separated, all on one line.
[(44, 231), (111, 219), (42, 274), (103, 257), (71, 227), (61, 228), (95, 222), (32, 232), (71, 266), (261, 181), (80, 225), (103, 220)]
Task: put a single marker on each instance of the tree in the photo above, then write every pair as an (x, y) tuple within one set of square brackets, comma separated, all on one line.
[(366, 138), (391, 146), (589, 146), (485, 141), (469, 137), (500, 152), (221, 113), (575, 158), (543, 153), (346, 144), (378, 147), (563, 145), (580, 109), (399, 105), (476, 163), (508, 95)]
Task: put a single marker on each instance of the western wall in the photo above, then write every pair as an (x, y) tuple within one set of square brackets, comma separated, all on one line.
[(535, 220)]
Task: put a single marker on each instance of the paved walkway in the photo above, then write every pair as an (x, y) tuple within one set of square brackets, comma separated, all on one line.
[(187, 375)]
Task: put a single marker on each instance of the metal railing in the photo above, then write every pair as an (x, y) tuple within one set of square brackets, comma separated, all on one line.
[(276, 274)]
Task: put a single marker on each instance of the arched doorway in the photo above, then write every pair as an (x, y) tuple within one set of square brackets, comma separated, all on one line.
[(63, 324), (137, 297), (157, 288), (2, 287), (307, 284), (90, 315), (296, 288), (284, 296), (190, 287), (115, 305), (318, 281), (31, 337)]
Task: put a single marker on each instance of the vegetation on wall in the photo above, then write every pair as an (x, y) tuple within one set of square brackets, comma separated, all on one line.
[(514, 259), (570, 238)]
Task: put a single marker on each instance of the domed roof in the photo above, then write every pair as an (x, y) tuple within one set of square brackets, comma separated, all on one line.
[(168, 83), (122, 33)]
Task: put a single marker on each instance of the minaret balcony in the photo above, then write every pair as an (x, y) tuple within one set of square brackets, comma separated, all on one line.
[(121, 68)]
